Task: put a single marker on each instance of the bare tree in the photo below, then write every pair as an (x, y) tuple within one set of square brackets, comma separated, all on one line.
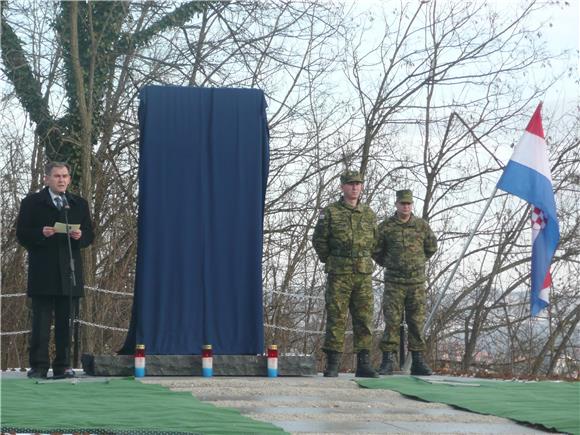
[(426, 96)]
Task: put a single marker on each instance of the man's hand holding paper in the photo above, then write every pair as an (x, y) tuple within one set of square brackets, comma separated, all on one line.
[(73, 229)]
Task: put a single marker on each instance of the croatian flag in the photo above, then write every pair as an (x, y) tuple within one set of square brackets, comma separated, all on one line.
[(528, 176)]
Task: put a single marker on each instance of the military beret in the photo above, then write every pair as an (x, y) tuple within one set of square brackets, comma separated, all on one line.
[(404, 195), (350, 177)]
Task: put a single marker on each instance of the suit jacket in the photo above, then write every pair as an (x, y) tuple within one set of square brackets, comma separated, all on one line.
[(48, 257)]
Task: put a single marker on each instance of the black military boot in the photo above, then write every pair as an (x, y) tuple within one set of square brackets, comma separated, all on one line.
[(386, 367), (419, 366), (363, 366), (332, 362)]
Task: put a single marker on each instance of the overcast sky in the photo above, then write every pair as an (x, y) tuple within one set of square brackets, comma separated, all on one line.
[(564, 35)]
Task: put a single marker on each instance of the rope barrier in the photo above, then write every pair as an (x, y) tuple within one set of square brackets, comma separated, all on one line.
[(96, 289), (108, 291), (303, 331), (96, 325), (309, 331), (295, 295), (112, 328), (14, 333)]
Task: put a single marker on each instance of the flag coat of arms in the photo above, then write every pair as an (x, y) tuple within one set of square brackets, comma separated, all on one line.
[(528, 176)]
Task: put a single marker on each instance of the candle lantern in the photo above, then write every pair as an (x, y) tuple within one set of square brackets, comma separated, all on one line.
[(140, 361), (272, 361), (207, 361)]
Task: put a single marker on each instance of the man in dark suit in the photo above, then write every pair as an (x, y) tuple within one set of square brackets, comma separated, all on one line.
[(49, 283)]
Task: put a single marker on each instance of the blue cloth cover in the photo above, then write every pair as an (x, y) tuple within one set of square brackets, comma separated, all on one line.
[(203, 170)]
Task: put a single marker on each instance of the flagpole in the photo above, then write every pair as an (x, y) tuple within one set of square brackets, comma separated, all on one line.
[(407, 366)]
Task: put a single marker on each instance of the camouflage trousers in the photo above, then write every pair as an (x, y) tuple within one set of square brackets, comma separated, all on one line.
[(344, 292), (396, 298)]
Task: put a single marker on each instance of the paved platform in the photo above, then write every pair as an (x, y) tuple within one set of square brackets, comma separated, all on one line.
[(315, 405), (318, 405)]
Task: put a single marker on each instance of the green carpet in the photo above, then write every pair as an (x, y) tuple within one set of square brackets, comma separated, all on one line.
[(118, 406), (554, 405)]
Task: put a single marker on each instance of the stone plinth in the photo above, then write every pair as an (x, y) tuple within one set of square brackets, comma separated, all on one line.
[(190, 365)]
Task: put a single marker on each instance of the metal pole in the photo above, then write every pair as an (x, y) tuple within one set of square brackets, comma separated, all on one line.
[(408, 360), (73, 284), (403, 334)]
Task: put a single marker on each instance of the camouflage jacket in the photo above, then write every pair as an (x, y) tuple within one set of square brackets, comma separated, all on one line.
[(404, 248), (345, 238)]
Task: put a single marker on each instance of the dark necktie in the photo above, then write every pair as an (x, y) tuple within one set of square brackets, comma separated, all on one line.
[(58, 202)]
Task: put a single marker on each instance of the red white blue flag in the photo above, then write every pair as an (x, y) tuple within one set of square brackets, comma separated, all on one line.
[(528, 176)]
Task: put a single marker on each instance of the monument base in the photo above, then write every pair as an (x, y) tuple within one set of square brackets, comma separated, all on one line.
[(190, 365)]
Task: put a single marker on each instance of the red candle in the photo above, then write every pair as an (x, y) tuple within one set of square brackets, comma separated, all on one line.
[(206, 351), (140, 351), (273, 351)]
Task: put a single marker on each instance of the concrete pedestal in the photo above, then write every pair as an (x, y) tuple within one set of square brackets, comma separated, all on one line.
[(190, 365)]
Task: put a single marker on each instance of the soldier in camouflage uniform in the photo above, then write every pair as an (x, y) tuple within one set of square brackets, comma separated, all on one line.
[(405, 244), (344, 239)]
